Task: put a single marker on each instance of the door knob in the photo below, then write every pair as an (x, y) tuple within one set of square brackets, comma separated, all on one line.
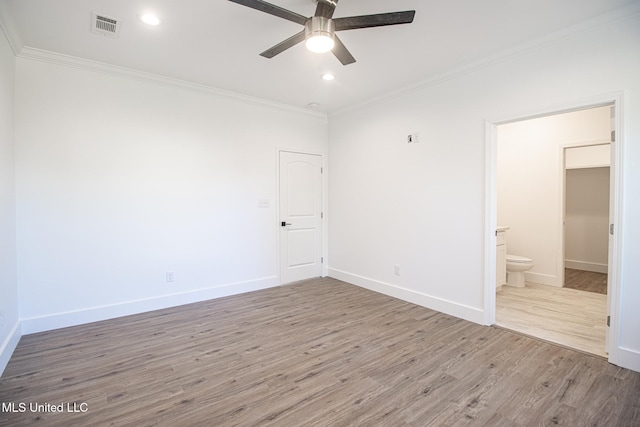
[(284, 224)]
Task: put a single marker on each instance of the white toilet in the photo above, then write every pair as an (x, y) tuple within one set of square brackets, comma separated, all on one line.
[(516, 266)]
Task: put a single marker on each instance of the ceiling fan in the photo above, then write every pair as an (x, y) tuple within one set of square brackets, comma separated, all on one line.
[(319, 30)]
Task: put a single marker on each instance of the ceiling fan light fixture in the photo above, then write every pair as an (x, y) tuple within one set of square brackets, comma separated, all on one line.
[(320, 43), (319, 30), (319, 34)]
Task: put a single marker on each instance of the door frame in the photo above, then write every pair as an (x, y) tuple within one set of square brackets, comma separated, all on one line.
[(615, 214), (324, 231)]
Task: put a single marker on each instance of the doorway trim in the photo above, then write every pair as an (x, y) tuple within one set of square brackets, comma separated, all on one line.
[(617, 148)]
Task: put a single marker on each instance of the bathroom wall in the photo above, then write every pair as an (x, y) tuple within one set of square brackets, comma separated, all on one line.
[(530, 179), (590, 156), (587, 219)]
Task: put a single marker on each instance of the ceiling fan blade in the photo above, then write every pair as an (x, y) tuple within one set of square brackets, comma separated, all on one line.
[(326, 8), (379, 20), (272, 9), (282, 46), (341, 52)]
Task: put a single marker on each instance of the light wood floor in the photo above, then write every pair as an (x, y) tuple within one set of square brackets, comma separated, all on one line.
[(317, 353), (569, 317)]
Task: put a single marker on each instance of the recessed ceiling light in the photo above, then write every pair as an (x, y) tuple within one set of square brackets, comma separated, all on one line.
[(150, 19), (328, 77)]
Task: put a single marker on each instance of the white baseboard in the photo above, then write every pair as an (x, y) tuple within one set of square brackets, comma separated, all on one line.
[(471, 314), (94, 314), (586, 266), (542, 279), (9, 345), (627, 358)]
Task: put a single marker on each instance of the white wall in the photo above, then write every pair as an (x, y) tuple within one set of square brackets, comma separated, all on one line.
[(530, 179), (587, 219), (590, 156), (422, 206), (120, 181), (9, 326)]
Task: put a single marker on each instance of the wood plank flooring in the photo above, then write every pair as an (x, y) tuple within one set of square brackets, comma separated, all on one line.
[(568, 317), (585, 280), (316, 353)]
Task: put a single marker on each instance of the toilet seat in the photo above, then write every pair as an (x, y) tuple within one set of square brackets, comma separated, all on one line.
[(518, 259)]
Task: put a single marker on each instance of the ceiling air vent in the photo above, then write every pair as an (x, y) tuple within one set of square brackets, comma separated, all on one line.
[(105, 25)]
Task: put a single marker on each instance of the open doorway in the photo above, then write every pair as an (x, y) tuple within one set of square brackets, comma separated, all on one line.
[(539, 235), (587, 183)]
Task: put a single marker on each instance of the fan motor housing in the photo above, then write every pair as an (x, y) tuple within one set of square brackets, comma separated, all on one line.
[(319, 26)]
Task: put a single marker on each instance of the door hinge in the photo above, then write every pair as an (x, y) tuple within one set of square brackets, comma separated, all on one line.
[(321, 215), (321, 260), (321, 169), (608, 320), (611, 229)]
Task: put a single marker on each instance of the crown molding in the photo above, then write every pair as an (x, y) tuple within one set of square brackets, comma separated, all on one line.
[(608, 19), (12, 33), (10, 28), (55, 58)]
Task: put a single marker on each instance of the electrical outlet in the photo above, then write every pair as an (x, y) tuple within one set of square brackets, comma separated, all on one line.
[(396, 270), (170, 277)]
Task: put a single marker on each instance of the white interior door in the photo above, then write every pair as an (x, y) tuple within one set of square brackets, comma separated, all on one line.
[(300, 216)]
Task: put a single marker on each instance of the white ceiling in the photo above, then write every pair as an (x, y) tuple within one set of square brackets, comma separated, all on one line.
[(217, 43)]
